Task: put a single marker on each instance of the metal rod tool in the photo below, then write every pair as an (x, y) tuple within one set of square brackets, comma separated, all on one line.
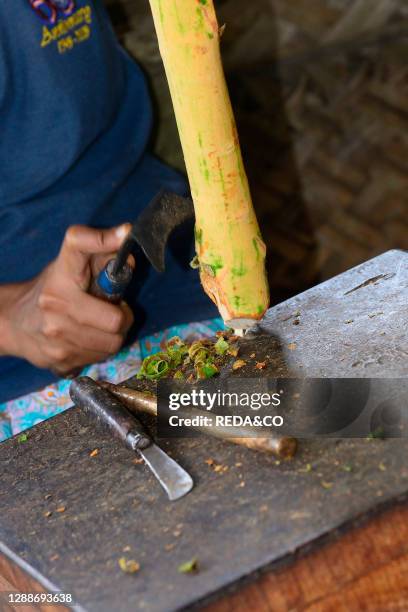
[(139, 401)]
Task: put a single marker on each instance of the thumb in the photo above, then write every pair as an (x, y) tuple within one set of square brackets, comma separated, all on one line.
[(81, 243)]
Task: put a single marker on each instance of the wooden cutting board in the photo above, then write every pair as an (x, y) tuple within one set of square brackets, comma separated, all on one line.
[(252, 514)]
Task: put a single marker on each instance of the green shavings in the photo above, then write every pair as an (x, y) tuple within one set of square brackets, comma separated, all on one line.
[(177, 351), (325, 484), (129, 566), (160, 364), (189, 567), (307, 469), (197, 351), (221, 346), (204, 356), (233, 351), (22, 438), (154, 367), (378, 433), (206, 370), (201, 359)]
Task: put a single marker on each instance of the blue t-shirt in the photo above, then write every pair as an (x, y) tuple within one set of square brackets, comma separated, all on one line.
[(75, 121)]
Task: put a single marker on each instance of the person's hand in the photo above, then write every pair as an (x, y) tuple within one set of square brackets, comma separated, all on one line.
[(53, 322)]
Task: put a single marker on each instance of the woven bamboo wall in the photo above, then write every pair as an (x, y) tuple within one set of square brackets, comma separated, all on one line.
[(320, 90)]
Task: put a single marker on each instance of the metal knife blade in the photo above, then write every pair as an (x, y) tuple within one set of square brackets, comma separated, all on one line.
[(172, 477), (157, 221), (95, 400)]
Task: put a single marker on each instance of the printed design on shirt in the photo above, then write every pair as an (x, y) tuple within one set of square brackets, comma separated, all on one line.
[(69, 32), (49, 10)]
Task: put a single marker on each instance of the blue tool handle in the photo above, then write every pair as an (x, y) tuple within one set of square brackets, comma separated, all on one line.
[(111, 287)]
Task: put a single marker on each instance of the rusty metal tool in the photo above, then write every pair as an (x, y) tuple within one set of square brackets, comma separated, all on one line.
[(95, 400), (151, 230), (138, 401)]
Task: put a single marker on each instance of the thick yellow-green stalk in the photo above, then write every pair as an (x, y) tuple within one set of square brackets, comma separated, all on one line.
[(230, 250)]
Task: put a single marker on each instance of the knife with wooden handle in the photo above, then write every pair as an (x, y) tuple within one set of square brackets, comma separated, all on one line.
[(107, 409)]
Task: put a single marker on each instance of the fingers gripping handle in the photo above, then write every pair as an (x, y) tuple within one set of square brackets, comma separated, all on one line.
[(88, 395)]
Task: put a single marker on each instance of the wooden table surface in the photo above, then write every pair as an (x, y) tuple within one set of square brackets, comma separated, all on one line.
[(366, 569)]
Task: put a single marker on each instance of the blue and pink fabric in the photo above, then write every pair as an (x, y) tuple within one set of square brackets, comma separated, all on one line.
[(24, 412)]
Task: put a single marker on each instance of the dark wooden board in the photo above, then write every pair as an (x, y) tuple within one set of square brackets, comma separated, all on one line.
[(366, 569), (234, 529)]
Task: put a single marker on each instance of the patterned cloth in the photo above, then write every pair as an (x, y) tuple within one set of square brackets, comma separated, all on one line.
[(26, 411)]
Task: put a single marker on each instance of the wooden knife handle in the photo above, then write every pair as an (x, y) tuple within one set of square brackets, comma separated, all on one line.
[(107, 409), (282, 446)]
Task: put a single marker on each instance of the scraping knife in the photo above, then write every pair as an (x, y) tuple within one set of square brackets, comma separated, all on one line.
[(89, 396), (150, 231)]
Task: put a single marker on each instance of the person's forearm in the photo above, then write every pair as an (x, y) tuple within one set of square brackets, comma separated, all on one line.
[(10, 296)]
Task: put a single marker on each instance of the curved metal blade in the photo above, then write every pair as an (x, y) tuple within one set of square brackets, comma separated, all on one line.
[(172, 477), (156, 222)]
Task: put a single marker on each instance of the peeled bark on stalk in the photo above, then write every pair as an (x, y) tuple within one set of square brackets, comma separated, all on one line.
[(229, 246)]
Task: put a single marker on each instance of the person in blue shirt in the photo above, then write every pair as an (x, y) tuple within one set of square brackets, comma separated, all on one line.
[(76, 118)]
